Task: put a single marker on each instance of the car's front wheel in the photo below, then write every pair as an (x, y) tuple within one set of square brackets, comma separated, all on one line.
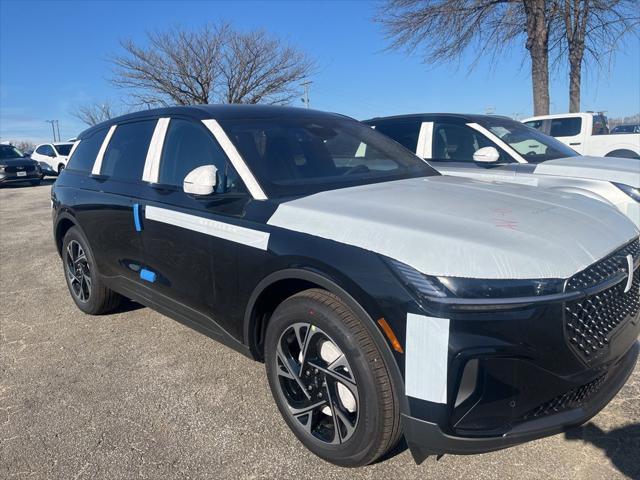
[(87, 289), (329, 379)]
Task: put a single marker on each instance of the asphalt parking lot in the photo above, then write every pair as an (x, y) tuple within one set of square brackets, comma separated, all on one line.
[(137, 395)]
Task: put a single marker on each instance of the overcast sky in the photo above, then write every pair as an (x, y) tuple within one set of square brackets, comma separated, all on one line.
[(53, 56)]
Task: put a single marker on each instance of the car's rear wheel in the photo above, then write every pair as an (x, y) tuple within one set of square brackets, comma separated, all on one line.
[(329, 379), (87, 289)]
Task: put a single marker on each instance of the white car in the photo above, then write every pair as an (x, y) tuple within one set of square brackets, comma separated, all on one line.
[(493, 148), (52, 157), (588, 134)]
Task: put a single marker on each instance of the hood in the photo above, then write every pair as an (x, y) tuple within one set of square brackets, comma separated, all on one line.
[(18, 162), (460, 227), (619, 170)]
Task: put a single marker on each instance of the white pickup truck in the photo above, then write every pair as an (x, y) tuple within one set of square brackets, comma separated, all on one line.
[(588, 134)]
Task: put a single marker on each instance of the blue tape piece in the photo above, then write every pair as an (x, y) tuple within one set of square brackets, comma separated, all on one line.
[(136, 217), (148, 275)]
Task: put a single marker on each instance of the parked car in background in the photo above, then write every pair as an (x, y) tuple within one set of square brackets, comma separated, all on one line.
[(494, 148), (628, 128), (15, 167), (385, 298), (588, 134), (52, 157)]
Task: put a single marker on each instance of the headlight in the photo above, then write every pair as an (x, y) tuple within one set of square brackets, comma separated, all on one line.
[(467, 290), (2, 167), (629, 190)]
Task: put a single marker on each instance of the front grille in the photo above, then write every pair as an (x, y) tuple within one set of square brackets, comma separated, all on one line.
[(25, 168), (604, 269), (574, 398), (590, 322)]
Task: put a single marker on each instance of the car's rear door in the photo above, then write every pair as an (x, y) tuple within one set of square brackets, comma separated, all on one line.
[(105, 206)]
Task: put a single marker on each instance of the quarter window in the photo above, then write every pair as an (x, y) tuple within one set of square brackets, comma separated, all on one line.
[(566, 127), (127, 150), (86, 152), (189, 145)]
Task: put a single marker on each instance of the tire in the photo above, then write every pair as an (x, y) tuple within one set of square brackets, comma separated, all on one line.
[(35, 183), (368, 409), (91, 296)]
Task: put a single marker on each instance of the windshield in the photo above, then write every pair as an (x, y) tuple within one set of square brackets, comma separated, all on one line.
[(9, 151), (64, 148), (533, 145), (303, 155)]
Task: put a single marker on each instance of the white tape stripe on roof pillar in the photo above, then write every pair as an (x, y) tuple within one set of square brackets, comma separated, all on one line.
[(236, 160), (97, 165), (152, 162)]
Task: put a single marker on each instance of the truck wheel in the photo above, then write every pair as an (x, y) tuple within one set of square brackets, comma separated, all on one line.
[(86, 288), (329, 380), (623, 154)]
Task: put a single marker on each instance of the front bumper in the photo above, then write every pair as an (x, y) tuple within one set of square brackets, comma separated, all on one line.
[(428, 438), (6, 178)]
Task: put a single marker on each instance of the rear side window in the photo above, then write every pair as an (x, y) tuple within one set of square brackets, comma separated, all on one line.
[(189, 145), (566, 127), (127, 150), (86, 152), (405, 133), (600, 125)]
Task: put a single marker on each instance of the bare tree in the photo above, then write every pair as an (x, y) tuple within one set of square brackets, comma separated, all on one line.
[(591, 32), (94, 113), (443, 30), (214, 64), (23, 145)]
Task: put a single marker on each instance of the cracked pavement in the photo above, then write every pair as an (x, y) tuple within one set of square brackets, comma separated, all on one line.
[(137, 395)]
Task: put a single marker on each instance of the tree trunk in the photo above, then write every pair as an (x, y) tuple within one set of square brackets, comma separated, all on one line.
[(575, 74), (538, 46)]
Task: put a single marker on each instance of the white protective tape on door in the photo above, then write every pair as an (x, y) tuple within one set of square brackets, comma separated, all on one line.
[(226, 231)]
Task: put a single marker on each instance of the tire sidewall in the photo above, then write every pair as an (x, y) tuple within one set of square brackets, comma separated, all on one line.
[(361, 448), (75, 234)]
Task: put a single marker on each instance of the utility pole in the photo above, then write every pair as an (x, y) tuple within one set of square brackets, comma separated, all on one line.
[(306, 84), (58, 128), (53, 128)]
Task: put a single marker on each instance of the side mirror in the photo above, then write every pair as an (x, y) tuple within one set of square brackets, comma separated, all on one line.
[(201, 180), (486, 155)]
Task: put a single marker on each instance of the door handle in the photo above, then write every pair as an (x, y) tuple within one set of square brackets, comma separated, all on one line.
[(575, 143)]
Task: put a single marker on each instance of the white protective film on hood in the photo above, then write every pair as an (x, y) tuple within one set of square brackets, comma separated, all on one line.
[(464, 228), (619, 170)]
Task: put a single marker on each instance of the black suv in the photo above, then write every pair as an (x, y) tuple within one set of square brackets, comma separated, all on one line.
[(385, 299), (16, 167)]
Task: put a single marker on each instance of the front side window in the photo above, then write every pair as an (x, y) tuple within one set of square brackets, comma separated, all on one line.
[(9, 151), (86, 152), (533, 145), (127, 150), (46, 150), (301, 155), (566, 127), (455, 142), (189, 145), (406, 133)]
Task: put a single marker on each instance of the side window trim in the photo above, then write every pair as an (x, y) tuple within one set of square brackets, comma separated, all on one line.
[(425, 141), (97, 165), (151, 169), (495, 139), (236, 159)]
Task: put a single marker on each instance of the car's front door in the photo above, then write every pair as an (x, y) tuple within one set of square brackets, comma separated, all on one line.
[(188, 252), (450, 146)]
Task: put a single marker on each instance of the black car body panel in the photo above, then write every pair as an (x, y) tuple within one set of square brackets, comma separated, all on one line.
[(513, 374)]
